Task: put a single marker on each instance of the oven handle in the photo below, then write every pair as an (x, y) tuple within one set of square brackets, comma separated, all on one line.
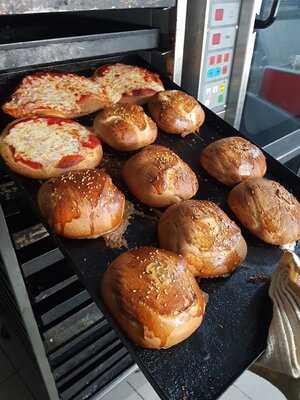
[(265, 23)]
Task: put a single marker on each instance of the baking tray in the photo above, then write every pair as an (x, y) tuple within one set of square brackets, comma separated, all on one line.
[(235, 327)]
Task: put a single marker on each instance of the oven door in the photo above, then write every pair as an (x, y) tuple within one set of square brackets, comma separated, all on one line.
[(270, 115)]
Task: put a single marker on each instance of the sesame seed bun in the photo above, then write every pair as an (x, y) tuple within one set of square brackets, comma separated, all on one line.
[(153, 296)]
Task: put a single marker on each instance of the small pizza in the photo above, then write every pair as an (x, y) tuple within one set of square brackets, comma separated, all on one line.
[(127, 83), (56, 94), (44, 147)]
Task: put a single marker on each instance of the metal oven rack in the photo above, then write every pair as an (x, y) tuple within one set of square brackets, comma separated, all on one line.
[(78, 354)]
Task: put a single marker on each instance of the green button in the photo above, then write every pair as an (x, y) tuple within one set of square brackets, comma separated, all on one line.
[(221, 98)]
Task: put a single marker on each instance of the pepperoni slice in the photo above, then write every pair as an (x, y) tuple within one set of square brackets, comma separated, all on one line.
[(70, 161), (142, 92), (29, 163), (102, 70), (92, 142), (84, 97)]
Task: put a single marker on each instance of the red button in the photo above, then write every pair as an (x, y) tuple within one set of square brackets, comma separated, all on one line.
[(212, 60), (224, 69), (216, 38), (219, 58), (226, 57), (219, 14)]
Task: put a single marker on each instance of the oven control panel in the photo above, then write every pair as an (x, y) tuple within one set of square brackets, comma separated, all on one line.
[(218, 53)]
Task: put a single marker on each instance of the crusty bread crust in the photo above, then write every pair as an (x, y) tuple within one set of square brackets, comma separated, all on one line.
[(267, 209), (82, 204), (204, 235), (92, 158), (153, 296), (158, 177), (176, 112), (125, 127), (232, 160)]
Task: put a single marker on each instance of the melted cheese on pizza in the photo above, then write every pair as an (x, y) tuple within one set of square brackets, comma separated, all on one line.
[(45, 143), (61, 92), (119, 79)]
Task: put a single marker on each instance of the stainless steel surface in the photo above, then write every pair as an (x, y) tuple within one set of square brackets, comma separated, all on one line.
[(242, 62), (13, 271), (285, 148), (181, 11), (40, 52), (41, 6), (194, 45)]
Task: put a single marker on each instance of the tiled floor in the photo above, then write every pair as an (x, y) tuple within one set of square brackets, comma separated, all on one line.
[(14, 385), (248, 387)]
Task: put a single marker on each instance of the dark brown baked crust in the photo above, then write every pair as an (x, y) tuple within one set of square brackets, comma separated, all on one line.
[(82, 204), (204, 235), (267, 209), (176, 112), (233, 159), (153, 296), (158, 177)]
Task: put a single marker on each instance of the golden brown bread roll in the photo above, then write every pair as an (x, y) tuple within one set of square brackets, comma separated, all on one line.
[(204, 235), (232, 160), (267, 209), (82, 204), (158, 177), (125, 127), (176, 112), (153, 296)]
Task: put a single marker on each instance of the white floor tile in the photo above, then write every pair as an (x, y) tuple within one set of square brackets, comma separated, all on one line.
[(233, 394), (142, 386), (122, 391), (257, 388), (14, 389), (6, 368)]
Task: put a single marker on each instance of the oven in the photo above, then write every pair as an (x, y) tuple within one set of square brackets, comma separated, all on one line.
[(247, 69), (80, 354)]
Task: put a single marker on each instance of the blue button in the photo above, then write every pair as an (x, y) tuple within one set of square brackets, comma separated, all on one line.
[(210, 73), (217, 71)]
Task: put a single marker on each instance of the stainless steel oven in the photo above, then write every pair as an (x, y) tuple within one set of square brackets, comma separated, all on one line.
[(246, 68)]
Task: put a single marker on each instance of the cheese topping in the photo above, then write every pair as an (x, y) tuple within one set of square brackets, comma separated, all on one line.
[(59, 92), (37, 140), (119, 79)]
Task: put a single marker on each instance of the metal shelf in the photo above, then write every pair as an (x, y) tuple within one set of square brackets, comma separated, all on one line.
[(37, 6), (38, 39)]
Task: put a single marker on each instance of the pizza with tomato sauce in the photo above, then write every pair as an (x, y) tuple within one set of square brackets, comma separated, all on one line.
[(56, 94), (44, 147), (127, 83)]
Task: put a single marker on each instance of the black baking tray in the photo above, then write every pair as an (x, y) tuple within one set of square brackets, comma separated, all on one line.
[(235, 327)]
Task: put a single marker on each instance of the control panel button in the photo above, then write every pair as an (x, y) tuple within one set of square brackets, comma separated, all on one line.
[(219, 14), (212, 60), (219, 58), (226, 57), (216, 38), (222, 88)]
